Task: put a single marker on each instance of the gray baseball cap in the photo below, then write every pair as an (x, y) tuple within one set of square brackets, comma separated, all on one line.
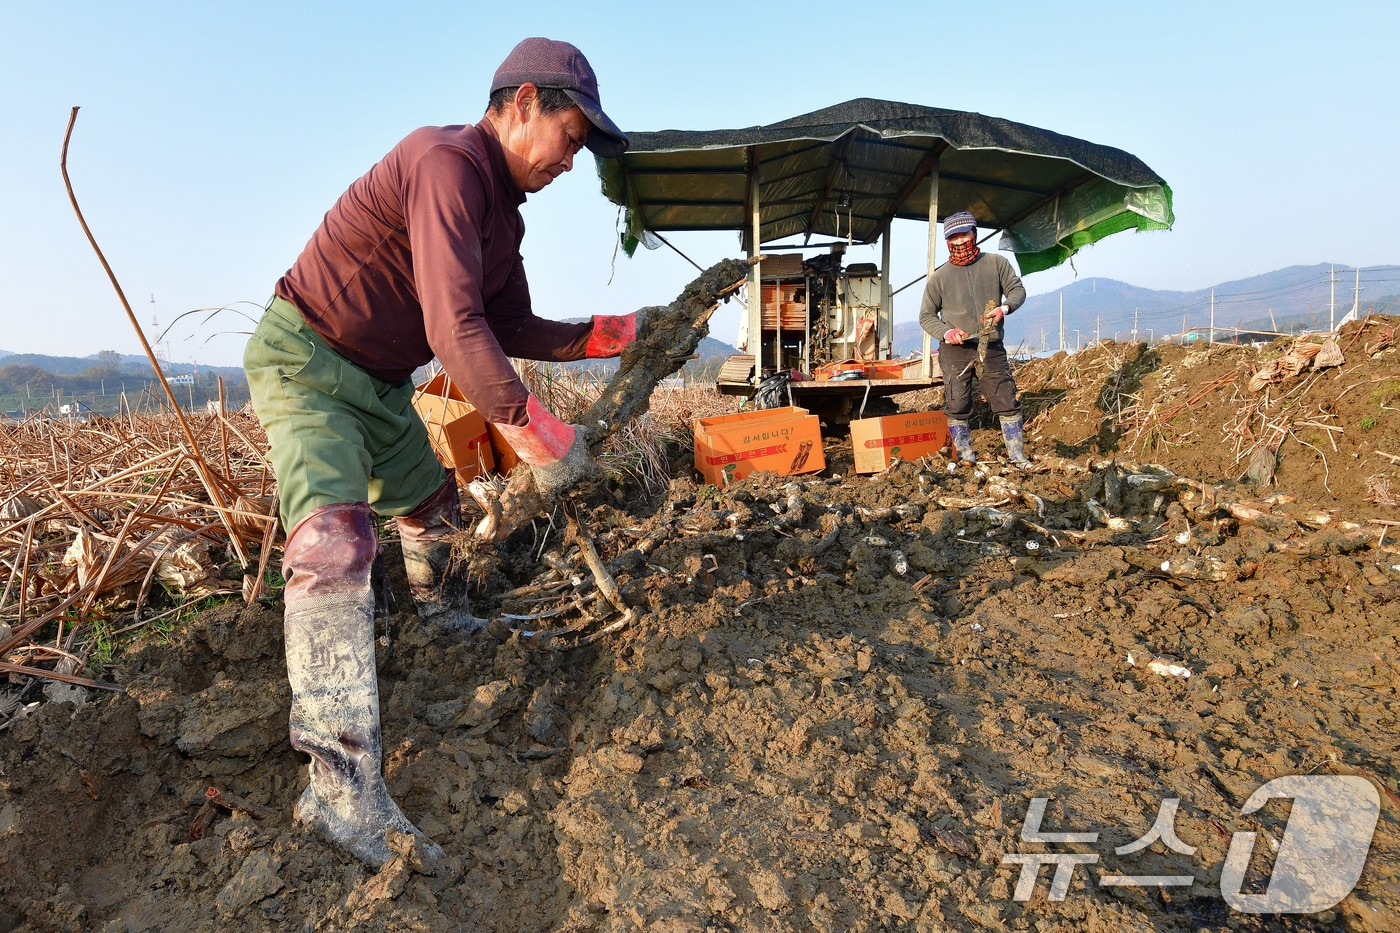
[(551, 63)]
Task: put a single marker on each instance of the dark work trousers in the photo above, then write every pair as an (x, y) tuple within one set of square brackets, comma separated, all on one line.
[(959, 365)]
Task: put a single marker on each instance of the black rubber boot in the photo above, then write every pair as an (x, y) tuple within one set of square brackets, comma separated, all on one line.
[(439, 588), (329, 628)]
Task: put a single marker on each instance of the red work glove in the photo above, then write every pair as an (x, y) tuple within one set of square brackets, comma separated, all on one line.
[(611, 334)]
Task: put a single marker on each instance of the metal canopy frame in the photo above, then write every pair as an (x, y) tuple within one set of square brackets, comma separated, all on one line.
[(1048, 194)]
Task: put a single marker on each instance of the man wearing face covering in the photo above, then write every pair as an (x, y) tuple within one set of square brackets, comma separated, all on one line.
[(420, 258), (965, 305)]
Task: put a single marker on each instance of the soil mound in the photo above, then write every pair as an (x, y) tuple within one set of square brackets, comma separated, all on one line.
[(839, 704)]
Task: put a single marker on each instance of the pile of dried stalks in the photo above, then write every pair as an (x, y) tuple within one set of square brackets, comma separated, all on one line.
[(103, 521), (109, 525)]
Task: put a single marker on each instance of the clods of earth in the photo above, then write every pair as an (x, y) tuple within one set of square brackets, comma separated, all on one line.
[(845, 703)]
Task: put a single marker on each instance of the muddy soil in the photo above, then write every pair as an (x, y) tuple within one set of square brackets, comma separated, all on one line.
[(838, 705)]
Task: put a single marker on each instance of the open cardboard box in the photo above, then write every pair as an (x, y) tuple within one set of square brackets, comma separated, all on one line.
[(908, 436), (868, 369), (831, 370), (506, 457), (782, 440), (456, 429)]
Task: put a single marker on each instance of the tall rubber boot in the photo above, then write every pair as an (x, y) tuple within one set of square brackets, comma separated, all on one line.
[(439, 590), (329, 628), (1014, 433), (962, 440)]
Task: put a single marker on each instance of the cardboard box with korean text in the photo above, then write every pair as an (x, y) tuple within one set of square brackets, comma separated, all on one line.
[(722, 422), (782, 440), (456, 429), (908, 436)]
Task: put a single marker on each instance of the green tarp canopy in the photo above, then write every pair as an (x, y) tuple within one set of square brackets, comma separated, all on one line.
[(846, 171)]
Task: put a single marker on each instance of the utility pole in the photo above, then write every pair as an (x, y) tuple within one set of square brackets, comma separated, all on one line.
[(1098, 326), (1135, 323), (1333, 276), (1356, 296), (1062, 319), (1212, 316)]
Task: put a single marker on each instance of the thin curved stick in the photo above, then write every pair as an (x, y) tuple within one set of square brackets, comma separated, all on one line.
[(203, 468)]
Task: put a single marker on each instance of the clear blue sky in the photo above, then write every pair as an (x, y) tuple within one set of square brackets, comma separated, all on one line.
[(214, 135)]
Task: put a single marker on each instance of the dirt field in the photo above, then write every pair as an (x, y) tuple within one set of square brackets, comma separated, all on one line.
[(840, 700)]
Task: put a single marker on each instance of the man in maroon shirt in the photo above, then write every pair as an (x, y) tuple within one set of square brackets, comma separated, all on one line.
[(419, 258)]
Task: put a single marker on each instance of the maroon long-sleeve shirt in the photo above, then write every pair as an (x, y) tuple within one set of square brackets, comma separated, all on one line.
[(421, 258)]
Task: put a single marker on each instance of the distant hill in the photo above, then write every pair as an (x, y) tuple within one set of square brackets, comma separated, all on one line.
[(124, 365), (1289, 300), (710, 355)]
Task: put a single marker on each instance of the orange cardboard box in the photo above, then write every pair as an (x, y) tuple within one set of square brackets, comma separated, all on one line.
[(869, 369), (782, 440), (455, 428), (747, 419), (721, 422), (909, 436), (506, 457), (826, 371), (885, 369)]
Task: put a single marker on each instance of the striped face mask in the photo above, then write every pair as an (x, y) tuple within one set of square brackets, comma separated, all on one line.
[(964, 255)]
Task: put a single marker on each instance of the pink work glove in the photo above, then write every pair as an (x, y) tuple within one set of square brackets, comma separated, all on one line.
[(556, 452), (542, 439)]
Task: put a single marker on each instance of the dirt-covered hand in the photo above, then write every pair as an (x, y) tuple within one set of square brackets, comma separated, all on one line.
[(576, 466), (646, 318), (527, 495)]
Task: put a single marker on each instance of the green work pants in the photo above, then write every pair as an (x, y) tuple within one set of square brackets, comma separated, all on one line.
[(337, 434)]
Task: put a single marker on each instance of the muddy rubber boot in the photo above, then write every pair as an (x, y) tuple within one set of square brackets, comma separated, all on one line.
[(1014, 433), (962, 440), (439, 589), (329, 628)]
